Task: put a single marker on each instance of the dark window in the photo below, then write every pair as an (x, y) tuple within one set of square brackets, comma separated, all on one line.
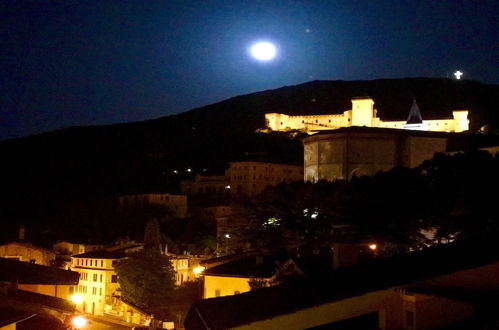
[(114, 279), (409, 318)]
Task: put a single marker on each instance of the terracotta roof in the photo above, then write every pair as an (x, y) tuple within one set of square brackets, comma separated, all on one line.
[(27, 273), (31, 298), (10, 315), (250, 266), (101, 254)]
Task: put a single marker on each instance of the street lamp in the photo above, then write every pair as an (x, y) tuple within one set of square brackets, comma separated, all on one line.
[(198, 270), (76, 298), (79, 322)]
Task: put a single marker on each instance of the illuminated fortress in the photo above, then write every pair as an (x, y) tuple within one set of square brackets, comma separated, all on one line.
[(363, 113)]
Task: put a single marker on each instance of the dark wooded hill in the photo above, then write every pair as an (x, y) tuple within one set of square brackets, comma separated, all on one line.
[(77, 162)]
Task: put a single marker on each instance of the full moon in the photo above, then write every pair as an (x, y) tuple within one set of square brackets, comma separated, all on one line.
[(263, 51)]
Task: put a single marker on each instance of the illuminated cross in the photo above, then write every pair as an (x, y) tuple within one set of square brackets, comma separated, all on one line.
[(458, 74)]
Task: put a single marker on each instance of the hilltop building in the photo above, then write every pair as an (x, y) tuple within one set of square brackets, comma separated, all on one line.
[(246, 178), (363, 113), (357, 151), (177, 204)]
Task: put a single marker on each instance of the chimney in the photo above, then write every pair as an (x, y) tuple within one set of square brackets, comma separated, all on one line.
[(259, 260), (22, 233), (345, 255)]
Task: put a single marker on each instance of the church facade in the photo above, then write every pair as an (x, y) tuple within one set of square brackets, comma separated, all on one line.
[(363, 113)]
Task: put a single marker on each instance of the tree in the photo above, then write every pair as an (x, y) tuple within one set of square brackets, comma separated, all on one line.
[(146, 278)]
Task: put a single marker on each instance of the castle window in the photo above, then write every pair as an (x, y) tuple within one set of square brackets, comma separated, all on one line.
[(316, 121), (329, 120)]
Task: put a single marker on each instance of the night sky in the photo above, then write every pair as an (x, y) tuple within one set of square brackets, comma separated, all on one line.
[(65, 63)]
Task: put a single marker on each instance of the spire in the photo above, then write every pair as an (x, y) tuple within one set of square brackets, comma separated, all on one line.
[(414, 114)]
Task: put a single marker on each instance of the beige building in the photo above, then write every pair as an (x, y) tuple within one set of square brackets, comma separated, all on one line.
[(356, 151), (251, 178), (187, 267), (234, 276), (176, 203), (98, 280), (206, 184), (41, 279), (246, 178), (28, 253), (363, 113)]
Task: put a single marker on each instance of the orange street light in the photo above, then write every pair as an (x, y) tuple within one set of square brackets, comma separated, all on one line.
[(79, 321), (76, 298)]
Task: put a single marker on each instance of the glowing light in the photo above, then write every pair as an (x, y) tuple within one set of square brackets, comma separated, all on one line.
[(263, 51), (198, 270), (175, 171), (458, 74), (79, 321), (227, 235), (77, 299), (227, 187), (373, 247), (189, 170)]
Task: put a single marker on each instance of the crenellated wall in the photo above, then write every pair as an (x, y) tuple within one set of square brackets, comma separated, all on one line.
[(362, 113)]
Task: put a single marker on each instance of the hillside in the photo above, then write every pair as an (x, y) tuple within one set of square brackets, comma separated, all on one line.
[(42, 171)]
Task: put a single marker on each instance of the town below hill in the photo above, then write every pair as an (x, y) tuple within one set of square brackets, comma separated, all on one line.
[(42, 173)]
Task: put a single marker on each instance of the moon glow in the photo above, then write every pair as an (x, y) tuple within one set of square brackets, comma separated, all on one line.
[(263, 51)]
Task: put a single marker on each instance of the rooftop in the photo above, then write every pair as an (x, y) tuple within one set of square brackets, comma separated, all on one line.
[(27, 273), (250, 266), (102, 254), (336, 285)]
